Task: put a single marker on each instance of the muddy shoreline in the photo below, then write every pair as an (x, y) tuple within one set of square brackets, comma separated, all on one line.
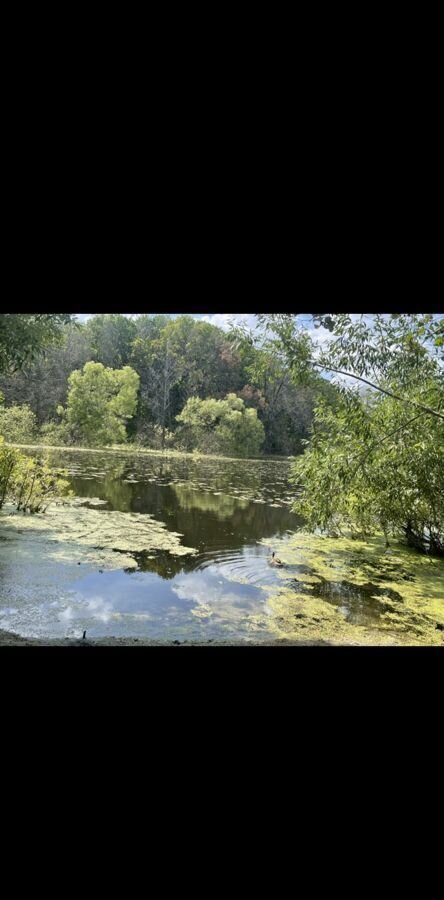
[(9, 639)]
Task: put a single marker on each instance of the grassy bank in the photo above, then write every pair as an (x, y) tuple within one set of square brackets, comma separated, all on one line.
[(132, 450)]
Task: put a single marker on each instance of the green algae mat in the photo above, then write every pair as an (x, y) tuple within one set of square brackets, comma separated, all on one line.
[(355, 592)]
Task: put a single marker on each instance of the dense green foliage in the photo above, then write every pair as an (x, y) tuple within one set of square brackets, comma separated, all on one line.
[(373, 468), (111, 338), (43, 383), (18, 424), (221, 426), (373, 429), (100, 402), (176, 359), (23, 336), (389, 354), (28, 483), (56, 434), (375, 460)]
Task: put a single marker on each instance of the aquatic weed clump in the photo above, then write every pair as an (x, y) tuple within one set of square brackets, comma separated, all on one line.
[(96, 527), (350, 591)]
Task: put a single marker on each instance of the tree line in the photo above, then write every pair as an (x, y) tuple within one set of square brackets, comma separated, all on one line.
[(372, 460), (193, 387)]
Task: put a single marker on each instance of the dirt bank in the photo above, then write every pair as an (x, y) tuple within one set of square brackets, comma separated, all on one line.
[(8, 639)]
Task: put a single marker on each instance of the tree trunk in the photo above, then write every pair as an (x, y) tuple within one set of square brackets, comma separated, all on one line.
[(415, 540), (165, 396)]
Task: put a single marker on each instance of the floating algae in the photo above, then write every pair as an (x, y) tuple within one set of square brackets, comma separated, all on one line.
[(330, 590), (44, 558), (347, 591), (108, 530)]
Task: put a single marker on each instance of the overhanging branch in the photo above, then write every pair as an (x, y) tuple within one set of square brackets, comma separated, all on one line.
[(427, 409)]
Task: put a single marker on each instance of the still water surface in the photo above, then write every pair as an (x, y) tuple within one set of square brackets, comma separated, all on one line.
[(221, 508), (226, 516)]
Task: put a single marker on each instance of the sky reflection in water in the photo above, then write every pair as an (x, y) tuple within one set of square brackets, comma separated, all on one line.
[(220, 507)]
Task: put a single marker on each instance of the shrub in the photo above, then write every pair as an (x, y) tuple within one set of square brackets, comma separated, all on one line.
[(29, 483), (55, 434), (18, 424), (221, 426)]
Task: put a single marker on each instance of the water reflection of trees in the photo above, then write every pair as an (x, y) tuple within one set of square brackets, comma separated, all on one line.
[(210, 474), (223, 475), (162, 563), (209, 524), (112, 488), (182, 494), (223, 506)]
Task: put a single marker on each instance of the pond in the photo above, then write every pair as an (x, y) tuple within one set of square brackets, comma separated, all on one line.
[(178, 548)]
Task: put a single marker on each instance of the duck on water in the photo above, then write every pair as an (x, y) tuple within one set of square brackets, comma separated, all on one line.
[(274, 561)]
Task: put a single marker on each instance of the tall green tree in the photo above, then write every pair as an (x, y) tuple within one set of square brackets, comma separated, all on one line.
[(43, 382), (100, 403), (213, 367), (285, 404), (376, 460), (160, 369), (371, 467), (24, 335), (388, 354), (29, 483), (150, 326), (111, 339)]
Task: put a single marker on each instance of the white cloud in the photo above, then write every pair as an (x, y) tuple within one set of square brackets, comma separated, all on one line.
[(222, 320), (320, 336), (227, 320), (214, 599)]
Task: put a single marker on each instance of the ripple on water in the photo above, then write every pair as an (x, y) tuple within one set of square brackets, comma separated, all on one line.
[(250, 565), (219, 590)]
